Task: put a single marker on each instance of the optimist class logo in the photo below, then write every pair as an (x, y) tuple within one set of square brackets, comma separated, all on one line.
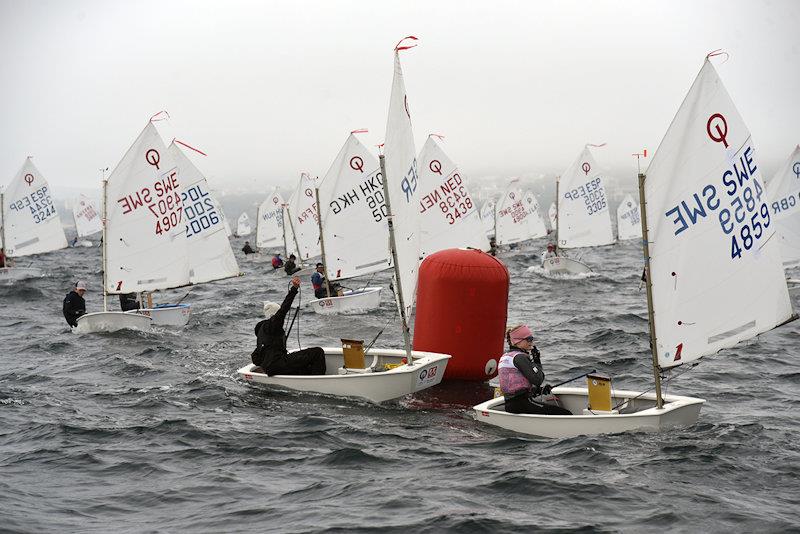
[(719, 125)]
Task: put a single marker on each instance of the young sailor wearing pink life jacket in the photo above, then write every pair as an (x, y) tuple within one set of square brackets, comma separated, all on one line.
[(522, 376)]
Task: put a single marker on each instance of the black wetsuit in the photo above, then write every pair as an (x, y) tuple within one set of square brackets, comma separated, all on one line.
[(74, 307), (290, 267), (247, 249), (128, 302), (271, 354), (530, 365)]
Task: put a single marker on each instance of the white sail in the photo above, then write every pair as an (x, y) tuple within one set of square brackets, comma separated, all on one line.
[(402, 184), (32, 225), (514, 221), (536, 224), (449, 216), (243, 225), (146, 246), (303, 213), (487, 218), (715, 263), (227, 226), (87, 216), (629, 224), (784, 194), (354, 227), (210, 254), (269, 229), (583, 216), (552, 214)]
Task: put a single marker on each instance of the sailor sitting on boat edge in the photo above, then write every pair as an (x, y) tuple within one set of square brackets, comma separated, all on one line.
[(522, 376)]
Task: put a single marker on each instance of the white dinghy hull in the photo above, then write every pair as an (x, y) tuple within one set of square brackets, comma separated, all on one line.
[(380, 386), (13, 274), (368, 298), (111, 322), (563, 265), (168, 314), (637, 414)]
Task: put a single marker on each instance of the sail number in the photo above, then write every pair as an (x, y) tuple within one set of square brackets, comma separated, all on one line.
[(39, 203), (593, 195), (162, 200), (451, 197), (201, 214), (516, 210), (745, 218)]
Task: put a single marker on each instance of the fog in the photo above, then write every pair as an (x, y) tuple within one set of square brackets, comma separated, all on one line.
[(270, 89)]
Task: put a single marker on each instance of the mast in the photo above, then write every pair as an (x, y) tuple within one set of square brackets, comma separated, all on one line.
[(105, 244), (399, 289), (494, 212), (3, 222), (322, 243), (294, 235), (283, 222), (557, 217), (648, 281)]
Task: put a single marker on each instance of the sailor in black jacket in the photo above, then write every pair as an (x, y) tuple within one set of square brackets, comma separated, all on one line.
[(271, 354), (74, 305)]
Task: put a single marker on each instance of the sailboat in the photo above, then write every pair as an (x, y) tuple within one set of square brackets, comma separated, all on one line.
[(302, 230), (487, 218), (784, 194), (29, 222), (517, 220), (582, 215), (144, 236), (87, 220), (352, 227), (712, 280), (243, 225), (629, 225), (449, 213), (392, 373), (269, 228)]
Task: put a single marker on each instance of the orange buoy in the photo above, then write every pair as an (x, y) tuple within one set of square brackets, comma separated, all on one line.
[(462, 307)]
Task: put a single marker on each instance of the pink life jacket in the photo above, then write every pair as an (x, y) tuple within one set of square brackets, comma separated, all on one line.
[(512, 381)]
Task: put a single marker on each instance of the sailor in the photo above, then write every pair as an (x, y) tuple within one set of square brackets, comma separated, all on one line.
[(74, 242), (522, 376), (247, 249), (322, 288), (277, 261), (2, 258), (550, 252), (290, 266), (128, 302), (271, 356), (492, 246), (74, 305)]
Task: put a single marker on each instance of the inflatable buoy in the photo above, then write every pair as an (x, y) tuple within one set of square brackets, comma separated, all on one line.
[(462, 306)]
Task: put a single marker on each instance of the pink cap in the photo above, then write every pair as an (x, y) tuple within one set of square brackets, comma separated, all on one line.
[(519, 334)]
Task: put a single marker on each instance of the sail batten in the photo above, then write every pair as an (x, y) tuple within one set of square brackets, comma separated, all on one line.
[(715, 269)]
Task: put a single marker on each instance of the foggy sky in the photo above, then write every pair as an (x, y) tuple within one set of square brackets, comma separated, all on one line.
[(270, 89)]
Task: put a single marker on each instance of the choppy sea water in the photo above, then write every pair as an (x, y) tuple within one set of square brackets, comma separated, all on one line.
[(133, 432)]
